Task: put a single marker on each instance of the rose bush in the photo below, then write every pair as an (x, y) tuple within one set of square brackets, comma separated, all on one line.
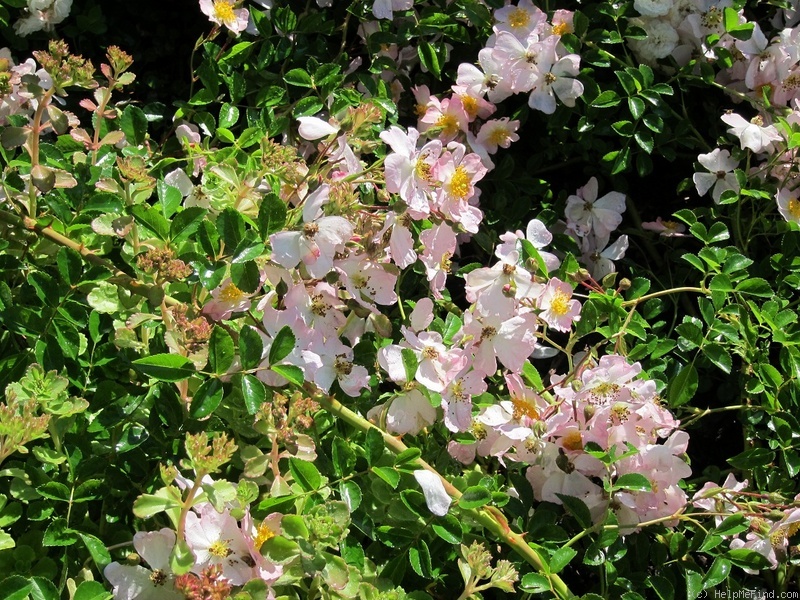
[(404, 299)]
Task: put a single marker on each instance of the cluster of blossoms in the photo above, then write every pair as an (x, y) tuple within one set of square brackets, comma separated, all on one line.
[(219, 544), (42, 15), (771, 529), (326, 276), (20, 86), (757, 66)]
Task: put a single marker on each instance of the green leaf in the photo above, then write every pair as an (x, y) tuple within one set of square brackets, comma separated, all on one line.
[(230, 225), (475, 497), (133, 124), (719, 571), (291, 373), (206, 399), (633, 481), (282, 345), (388, 474), (54, 490), (645, 140), (43, 589), (429, 58), (748, 559), (147, 505), (755, 286), (228, 115), (254, 393), (753, 458), (343, 457), (246, 276), (299, 78), (577, 508), (182, 558), (606, 99), (410, 363), (636, 106), (165, 367), (536, 583), (308, 106), (91, 590), (186, 223), (351, 495), (97, 549), (419, 555), (280, 550), (70, 266), (59, 534), (220, 350), (305, 474), (718, 355), (374, 445), (406, 456), (448, 528), (561, 558), (151, 217), (732, 525), (271, 215), (15, 587), (683, 386), (251, 348)]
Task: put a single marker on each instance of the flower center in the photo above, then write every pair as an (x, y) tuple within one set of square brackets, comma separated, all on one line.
[(423, 170), (488, 332), (470, 105), (310, 229), (318, 306), (561, 28), (231, 293), (158, 577), (448, 123), (430, 353), (794, 208), (572, 440), (342, 366), (498, 136), (224, 10), (603, 391), (459, 184), (519, 18), (263, 533), (445, 264), (559, 305), (523, 408), (549, 78), (791, 83), (219, 549)]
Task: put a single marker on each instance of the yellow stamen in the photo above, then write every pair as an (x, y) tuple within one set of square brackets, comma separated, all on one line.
[(470, 105), (572, 440), (559, 305), (499, 136), (519, 18), (224, 10), (231, 293), (460, 183), (219, 549), (794, 208), (448, 124), (522, 408), (561, 29), (263, 533)]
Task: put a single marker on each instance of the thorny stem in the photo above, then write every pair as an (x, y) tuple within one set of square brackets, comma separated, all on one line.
[(118, 277), (490, 517), (36, 129)]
